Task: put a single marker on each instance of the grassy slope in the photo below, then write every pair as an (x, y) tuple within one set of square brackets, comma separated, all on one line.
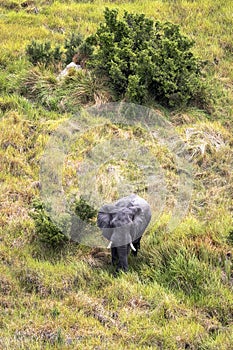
[(178, 294)]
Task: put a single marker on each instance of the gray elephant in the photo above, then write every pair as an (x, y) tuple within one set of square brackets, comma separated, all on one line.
[(123, 224)]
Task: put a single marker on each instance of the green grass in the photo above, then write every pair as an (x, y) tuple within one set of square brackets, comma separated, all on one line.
[(178, 292)]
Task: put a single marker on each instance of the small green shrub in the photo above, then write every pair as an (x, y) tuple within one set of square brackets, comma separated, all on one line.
[(43, 53), (84, 210), (46, 230), (71, 46), (144, 59)]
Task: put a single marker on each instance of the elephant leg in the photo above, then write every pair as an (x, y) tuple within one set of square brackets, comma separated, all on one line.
[(114, 255), (123, 252), (136, 244)]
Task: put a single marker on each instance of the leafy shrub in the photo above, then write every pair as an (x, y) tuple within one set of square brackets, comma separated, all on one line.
[(84, 210), (71, 46), (46, 230), (144, 59), (43, 53)]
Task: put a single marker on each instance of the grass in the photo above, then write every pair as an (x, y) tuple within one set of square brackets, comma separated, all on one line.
[(178, 292)]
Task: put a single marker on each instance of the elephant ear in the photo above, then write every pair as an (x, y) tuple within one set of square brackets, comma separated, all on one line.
[(103, 220), (138, 226)]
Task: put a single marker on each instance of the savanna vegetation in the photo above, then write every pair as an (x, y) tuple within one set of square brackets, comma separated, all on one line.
[(57, 294)]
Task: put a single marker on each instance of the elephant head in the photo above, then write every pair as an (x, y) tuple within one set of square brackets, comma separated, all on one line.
[(123, 224)]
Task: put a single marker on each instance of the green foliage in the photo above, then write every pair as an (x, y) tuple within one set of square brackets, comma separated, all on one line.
[(46, 230), (71, 46), (145, 60), (84, 210), (43, 53)]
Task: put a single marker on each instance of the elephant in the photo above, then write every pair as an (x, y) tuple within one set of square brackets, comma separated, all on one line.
[(123, 224)]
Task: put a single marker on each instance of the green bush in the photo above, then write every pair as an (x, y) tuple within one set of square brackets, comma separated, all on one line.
[(71, 46), (84, 210), (46, 230), (144, 59), (43, 53)]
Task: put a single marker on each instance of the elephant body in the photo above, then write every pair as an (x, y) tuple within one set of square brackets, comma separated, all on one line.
[(123, 224)]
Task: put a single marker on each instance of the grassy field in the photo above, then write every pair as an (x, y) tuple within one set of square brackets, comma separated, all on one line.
[(178, 293)]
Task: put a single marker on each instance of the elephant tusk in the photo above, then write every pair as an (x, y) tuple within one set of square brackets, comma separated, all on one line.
[(132, 247), (110, 244)]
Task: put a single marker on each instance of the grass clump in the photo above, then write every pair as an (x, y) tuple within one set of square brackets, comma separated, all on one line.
[(187, 274), (78, 88), (41, 85)]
